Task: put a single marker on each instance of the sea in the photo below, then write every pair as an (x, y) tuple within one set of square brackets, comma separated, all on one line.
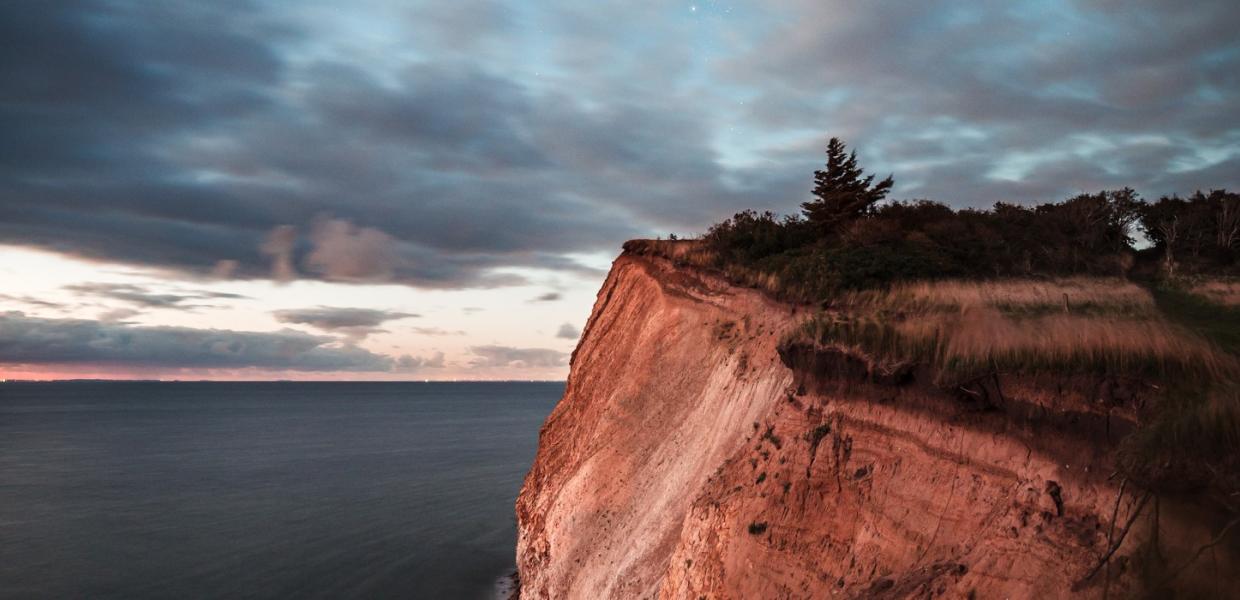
[(263, 490)]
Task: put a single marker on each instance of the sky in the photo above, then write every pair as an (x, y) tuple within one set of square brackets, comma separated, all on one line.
[(403, 190)]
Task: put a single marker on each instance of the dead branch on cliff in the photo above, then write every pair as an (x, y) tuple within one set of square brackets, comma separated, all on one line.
[(1106, 558), (1218, 539)]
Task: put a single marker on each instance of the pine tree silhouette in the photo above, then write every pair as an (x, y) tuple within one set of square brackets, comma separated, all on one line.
[(842, 192)]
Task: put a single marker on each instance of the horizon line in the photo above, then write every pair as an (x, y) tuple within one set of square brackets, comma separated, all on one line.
[(137, 380)]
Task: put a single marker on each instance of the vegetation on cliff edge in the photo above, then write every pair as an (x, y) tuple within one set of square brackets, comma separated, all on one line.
[(1018, 289)]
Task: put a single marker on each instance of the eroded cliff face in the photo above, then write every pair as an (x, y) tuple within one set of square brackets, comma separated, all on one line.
[(690, 459)]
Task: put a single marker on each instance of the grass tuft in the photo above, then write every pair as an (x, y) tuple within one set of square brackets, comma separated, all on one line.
[(1104, 326), (1172, 337)]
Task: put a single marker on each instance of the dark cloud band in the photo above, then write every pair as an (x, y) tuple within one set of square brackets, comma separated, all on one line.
[(356, 323), (33, 340)]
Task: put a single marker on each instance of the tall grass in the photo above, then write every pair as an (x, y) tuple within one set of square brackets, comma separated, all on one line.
[(1103, 325), (1191, 441), (696, 253), (1217, 290), (1072, 294), (684, 252), (1184, 338), (1074, 324)]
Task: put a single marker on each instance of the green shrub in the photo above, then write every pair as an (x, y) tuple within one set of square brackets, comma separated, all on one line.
[(1088, 234)]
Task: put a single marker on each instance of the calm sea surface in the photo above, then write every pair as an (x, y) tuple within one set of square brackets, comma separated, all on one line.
[(262, 490)]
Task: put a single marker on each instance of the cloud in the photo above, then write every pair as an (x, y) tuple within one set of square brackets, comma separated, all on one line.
[(354, 323), (279, 245), (219, 161), (32, 301), (251, 140), (211, 138), (436, 331), (224, 269), (143, 297), (955, 92), (117, 315), (508, 356), (568, 332), (345, 252), (33, 340), (548, 297), (413, 364)]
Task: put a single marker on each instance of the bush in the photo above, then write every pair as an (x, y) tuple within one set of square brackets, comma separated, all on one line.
[(880, 264), (845, 241), (1089, 234), (750, 236)]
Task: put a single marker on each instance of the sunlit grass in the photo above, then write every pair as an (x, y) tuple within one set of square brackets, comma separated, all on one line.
[(1074, 325), (688, 252), (696, 253), (1225, 291), (1171, 339), (1182, 338), (1072, 294)]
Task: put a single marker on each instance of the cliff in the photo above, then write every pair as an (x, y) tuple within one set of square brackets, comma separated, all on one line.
[(699, 451)]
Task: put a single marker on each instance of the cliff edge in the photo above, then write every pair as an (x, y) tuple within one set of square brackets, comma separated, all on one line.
[(699, 453)]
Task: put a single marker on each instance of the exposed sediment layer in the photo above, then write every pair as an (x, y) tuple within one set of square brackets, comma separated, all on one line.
[(692, 456)]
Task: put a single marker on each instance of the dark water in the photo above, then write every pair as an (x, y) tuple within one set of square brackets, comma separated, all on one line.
[(262, 490)]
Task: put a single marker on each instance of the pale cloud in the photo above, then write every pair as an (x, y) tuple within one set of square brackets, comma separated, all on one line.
[(117, 314), (32, 301), (345, 252), (279, 246), (568, 331), (413, 364), (436, 331), (521, 358), (145, 297), (354, 323)]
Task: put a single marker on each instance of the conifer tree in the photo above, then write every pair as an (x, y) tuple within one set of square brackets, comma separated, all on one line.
[(842, 192)]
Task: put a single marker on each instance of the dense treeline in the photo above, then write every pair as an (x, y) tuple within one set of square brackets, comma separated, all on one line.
[(847, 238)]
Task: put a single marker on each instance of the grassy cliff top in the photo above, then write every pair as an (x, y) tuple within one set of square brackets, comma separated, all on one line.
[(1181, 336)]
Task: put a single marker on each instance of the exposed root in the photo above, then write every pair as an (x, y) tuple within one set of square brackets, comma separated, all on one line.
[(1106, 558), (1218, 539)]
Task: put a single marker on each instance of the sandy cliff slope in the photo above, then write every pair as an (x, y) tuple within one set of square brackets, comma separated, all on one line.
[(692, 457)]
